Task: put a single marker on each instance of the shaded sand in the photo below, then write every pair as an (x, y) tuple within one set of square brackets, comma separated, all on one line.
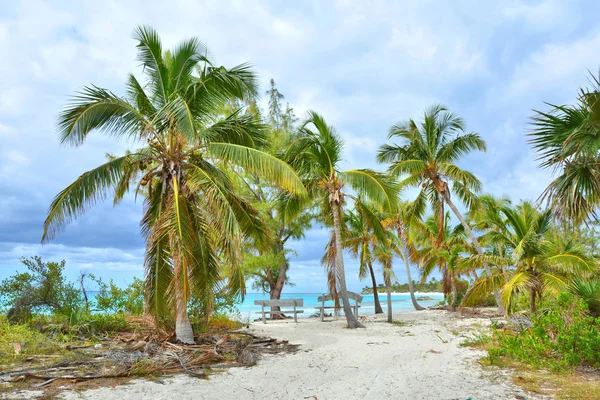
[(420, 359)]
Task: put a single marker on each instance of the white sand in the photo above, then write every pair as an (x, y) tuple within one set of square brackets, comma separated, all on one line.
[(382, 361)]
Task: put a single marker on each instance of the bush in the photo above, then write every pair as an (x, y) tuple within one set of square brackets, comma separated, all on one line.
[(29, 339), (42, 289), (224, 306), (566, 336), (111, 298)]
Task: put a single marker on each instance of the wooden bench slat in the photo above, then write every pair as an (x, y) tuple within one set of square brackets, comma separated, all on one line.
[(280, 303), (319, 307), (281, 312)]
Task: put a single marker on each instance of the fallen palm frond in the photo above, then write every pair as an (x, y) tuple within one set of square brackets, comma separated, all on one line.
[(143, 353)]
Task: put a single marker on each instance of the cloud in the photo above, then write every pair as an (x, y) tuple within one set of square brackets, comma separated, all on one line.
[(363, 65)]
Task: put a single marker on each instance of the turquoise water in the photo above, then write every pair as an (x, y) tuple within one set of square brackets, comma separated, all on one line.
[(400, 302)]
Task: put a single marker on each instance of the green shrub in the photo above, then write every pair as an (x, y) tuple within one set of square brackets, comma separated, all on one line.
[(42, 289), (566, 336), (30, 340), (111, 298)]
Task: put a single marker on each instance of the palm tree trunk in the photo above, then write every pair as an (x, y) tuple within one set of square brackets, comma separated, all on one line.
[(475, 242), (350, 317), (532, 308), (411, 287), (454, 295), (388, 286), (183, 327), (378, 309)]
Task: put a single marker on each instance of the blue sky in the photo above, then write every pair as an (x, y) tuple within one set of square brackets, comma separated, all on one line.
[(363, 65)]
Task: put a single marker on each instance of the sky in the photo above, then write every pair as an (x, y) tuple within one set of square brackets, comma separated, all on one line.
[(363, 65)]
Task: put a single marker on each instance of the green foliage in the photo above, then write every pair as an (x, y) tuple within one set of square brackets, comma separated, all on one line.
[(433, 286), (565, 337), (111, 298), (42, 289), (223, 306), (566, 139), (31, 341)]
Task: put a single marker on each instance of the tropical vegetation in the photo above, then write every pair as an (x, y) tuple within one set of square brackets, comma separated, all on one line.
[(227, 187)]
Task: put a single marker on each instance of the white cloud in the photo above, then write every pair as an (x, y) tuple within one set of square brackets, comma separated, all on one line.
[(363, 65)]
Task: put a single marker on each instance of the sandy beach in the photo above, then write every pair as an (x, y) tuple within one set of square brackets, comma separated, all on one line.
[(419, 357)]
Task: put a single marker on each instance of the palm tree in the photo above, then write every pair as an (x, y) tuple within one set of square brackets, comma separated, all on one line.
[(384, 252), (316, 155), (427, 159), (194, 222), (487, 217), (443, 253), (539, 259), (399, 221), (567, 139), (360, 240)]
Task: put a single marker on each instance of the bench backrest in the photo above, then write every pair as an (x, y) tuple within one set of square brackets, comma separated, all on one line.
[(280, 303), (351, 295)]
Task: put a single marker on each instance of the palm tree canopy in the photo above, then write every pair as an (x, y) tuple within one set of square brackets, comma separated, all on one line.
[(193, 218), (567, 140), (317, 154), (538, 258), (427, 154)]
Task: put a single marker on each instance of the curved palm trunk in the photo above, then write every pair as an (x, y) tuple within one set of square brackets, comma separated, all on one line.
[(388, 286), (183, 327), (350, 317), (378, 309), (454, 295), (411, 287), (532, 308), (475, 242)]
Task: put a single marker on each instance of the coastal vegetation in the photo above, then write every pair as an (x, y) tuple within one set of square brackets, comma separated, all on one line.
[(226, 187)]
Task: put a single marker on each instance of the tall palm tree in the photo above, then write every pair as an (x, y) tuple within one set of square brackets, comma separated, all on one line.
[(488, 218), (539, 260), (360, 240), (193, 221), (444, 253), (427, 158), (316, 155), (567, 139), (385, 251), (400, 221)]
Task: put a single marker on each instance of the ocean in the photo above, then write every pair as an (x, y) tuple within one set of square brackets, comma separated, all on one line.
[(400, 302)]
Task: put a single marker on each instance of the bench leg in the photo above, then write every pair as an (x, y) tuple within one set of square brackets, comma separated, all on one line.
[(295, 315), (322, 314), (263, 314)]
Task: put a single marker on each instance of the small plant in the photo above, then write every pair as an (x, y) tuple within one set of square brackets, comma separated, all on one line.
[(565, 337)]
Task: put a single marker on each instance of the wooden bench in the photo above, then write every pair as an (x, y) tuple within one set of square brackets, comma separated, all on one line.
[(280, 303), (328, 297)]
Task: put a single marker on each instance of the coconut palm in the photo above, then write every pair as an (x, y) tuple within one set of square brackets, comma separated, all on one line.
[(487, 217), (442, 253), (316, 155), (539, 260), (567, 139), (400, 221), (427, 158), (384, 252), (193, 220), (360, 240)]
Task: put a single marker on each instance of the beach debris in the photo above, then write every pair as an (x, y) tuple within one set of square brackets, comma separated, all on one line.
[(143, 352)]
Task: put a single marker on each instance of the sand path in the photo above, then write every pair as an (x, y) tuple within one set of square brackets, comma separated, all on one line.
[(419, 360)]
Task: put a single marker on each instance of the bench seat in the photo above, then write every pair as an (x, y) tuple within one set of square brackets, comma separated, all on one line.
[(279, 303), (328, 297)]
